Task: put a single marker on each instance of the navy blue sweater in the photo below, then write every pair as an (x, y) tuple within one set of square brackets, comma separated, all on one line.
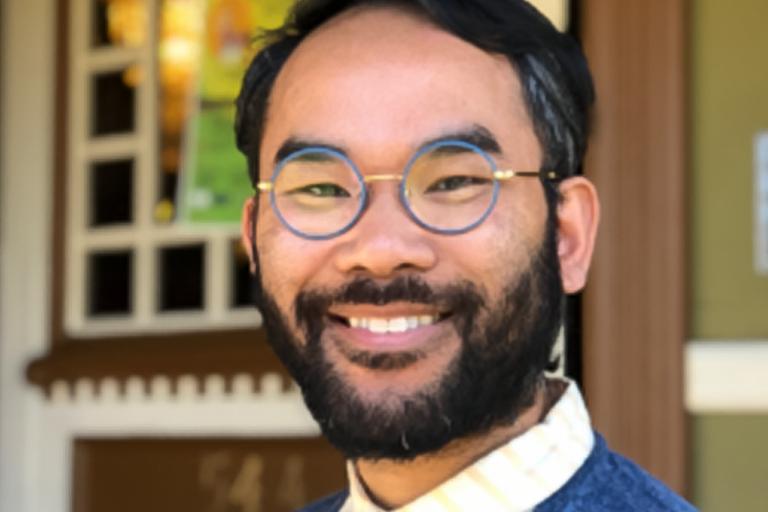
[(607, 482)]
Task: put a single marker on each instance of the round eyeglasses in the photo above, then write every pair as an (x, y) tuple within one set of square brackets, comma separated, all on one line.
[(448, 187)]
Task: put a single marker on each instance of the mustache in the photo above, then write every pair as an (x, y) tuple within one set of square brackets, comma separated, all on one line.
[(364, 290)]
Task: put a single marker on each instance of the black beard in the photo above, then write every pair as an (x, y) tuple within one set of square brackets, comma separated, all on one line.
[(490, 381)]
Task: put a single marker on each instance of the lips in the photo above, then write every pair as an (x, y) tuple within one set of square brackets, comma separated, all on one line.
[(386, 326), (380, 325)]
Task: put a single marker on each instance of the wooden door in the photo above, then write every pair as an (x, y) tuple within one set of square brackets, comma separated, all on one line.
[(634, 310)]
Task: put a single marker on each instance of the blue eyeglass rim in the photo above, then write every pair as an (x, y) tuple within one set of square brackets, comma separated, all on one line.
[(403, 197), (335, 153), (436, 145)]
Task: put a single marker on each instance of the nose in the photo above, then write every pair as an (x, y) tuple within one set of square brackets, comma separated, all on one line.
[(385, 241)]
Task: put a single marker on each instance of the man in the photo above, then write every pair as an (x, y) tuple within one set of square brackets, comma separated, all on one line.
[(416, 224)]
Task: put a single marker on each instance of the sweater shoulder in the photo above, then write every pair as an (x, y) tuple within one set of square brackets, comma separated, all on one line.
[(609, 482), (330, 503)]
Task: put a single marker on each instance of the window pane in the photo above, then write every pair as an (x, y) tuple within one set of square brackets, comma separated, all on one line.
[(241, 276), (100, 24), (204, 50), (182, 278), (114, 102), (112, 193), (109, 283), (118, 23), (178, 59)]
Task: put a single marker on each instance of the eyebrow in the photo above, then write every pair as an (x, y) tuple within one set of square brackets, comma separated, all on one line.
[(476, 135), (295, 144)]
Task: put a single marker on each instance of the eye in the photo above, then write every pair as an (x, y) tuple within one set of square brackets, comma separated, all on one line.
[(321, 190), (452, 183)]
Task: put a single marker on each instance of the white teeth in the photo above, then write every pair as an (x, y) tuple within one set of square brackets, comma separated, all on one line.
[(426, 320), (392, 325), (378, 325), (398, 325)]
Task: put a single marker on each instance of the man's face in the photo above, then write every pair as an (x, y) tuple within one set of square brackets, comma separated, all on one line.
[(379, 84)]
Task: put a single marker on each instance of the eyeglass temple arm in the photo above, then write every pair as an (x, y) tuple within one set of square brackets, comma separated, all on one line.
[(505, 175)]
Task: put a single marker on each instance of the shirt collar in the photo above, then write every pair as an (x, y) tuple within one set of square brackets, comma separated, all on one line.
[(513, 478)]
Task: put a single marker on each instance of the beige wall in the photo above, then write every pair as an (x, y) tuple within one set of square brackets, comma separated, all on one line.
[(730, 103), (729, 72), (731, 463)]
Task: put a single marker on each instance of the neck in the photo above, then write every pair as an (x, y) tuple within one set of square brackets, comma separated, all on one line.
[(392, 484)]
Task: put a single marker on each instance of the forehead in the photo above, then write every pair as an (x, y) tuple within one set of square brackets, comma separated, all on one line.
[(379, 82)]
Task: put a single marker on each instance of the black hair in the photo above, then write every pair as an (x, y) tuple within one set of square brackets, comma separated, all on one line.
[(557, 86)]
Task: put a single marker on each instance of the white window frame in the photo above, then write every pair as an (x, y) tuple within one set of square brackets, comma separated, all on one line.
[(144, 236)]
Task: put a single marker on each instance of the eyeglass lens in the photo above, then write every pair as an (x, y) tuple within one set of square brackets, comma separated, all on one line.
[(448, 187), (317, 193)]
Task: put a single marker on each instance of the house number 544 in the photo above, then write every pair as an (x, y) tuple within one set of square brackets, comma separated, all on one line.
[(246, 492)]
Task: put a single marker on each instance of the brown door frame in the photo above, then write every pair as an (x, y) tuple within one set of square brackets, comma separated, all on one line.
[(635, 315)]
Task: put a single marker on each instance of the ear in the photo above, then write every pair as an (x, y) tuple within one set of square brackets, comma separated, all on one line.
[(578, 215), (247, 230)]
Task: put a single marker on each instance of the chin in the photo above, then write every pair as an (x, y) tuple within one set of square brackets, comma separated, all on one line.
[(384, 377)]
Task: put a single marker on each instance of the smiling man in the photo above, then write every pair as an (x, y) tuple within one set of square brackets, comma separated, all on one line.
[(416, 225)]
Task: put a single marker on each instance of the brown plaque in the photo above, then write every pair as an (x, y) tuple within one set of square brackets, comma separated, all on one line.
[(203, 475)]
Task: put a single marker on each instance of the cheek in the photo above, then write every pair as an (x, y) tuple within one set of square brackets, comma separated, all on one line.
[(287, 262), (275, 260), (496, 252)]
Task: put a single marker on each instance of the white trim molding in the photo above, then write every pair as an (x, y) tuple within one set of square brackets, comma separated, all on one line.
[(727, 377), (81, 413), (26, 156)]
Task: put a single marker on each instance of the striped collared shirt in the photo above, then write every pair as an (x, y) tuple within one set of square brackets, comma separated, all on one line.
[(513, 478)]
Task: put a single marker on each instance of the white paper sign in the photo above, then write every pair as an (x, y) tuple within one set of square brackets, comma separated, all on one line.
[(555, 10), (761, 203)]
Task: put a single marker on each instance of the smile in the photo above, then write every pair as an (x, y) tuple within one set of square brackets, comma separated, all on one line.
[(394, 319), (395, 327), (392, 325)]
